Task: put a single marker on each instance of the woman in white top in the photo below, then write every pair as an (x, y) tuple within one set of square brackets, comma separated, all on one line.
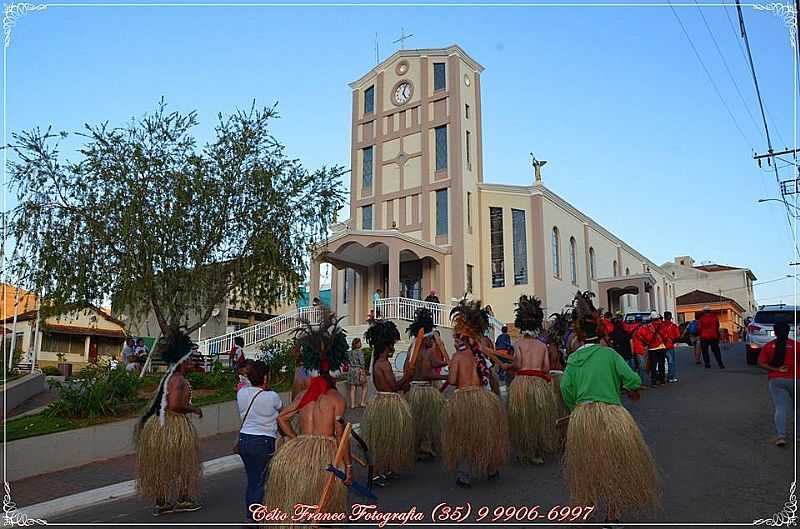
[(258, 431)]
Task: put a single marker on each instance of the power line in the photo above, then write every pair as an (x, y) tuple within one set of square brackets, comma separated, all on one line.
[(744, 56), (763, 115), (708, 74), (725, 63)]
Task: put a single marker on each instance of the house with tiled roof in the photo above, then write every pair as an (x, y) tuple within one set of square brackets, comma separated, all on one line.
[(81, 335), (729, 312), (733, 282)]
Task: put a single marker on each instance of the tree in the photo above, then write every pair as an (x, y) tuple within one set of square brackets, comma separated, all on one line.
[(150, 219)]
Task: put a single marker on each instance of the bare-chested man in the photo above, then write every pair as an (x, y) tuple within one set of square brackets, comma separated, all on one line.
[(167, 447), (388, 424), (424, 398), (474, 425), (298, 470)]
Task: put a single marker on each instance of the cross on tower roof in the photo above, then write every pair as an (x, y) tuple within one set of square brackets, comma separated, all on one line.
[(403, 38)]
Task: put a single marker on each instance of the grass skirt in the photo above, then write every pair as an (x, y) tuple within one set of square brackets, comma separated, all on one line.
[(532, 415), (426, 403), (389, 433), (168, 464), (474, 432), (297, 475), (607, 460)]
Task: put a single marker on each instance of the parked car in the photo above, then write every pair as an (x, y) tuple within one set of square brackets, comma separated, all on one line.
[(760, 333), (631, 317)]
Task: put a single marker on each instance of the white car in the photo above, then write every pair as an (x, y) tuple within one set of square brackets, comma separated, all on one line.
[(760, 333), (631, 317)]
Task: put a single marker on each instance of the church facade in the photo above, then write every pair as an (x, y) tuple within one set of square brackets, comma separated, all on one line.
[(422, 217)]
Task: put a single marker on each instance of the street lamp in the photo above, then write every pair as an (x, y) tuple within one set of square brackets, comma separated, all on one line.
[(762, 200)]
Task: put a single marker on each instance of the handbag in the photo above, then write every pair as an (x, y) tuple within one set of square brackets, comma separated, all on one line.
[(236, 446)]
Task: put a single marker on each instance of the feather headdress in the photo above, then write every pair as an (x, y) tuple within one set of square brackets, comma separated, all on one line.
[(423, 319), (586, 316), (323, 345), (380, 335), (528, 315), (469, 319)]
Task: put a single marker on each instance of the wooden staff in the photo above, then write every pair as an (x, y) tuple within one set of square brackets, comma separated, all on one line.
[(327, 490)]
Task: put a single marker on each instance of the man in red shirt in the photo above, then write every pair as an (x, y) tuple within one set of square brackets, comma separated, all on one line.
[(779, 357), (709, 336), (653, 340), (670, 332), (638, 345)]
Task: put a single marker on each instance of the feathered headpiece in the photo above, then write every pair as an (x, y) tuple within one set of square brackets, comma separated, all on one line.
[(469, 318), (528, 315), (587, 317), (558, 327), (324, 345), (175, 349), (380, 335), (423, 319)]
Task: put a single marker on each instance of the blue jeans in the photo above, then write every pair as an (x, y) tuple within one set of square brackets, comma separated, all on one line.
[(256, 452), (782, 392), (672, 369)]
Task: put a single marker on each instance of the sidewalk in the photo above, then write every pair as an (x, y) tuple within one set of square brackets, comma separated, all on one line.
[(45, 487)]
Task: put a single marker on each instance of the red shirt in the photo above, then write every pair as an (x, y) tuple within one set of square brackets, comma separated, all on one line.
[(708, 327), (789, 359), (635, 330), (651, 336), (608, 326), (670, 332)]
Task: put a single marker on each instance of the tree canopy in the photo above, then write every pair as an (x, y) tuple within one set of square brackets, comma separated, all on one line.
[(153, 220)]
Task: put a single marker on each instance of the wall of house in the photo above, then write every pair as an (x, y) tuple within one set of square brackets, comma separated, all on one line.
[(735, 284)]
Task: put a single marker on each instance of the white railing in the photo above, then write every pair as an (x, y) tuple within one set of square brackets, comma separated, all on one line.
[(260, 332), (404, 309), (387, 308)]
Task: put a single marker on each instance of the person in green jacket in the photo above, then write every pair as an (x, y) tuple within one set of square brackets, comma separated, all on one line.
[(607, 461)]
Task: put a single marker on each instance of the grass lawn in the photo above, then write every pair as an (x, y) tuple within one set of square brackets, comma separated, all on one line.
[(42, 424)]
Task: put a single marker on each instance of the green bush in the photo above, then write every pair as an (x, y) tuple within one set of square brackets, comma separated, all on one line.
[(218, 378), (51, 371), (280, 361), (10, 369), (96, 391)]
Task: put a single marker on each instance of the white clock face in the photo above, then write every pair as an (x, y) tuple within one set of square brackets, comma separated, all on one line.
[(402, 93)]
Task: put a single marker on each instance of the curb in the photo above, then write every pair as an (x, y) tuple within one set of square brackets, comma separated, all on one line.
[(117, 491)]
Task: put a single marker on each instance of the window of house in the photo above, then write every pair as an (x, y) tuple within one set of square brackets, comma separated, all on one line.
[(469, 279), (614, 266), (366, 218), (366, 168), (441, 212), (441, 147), (466, 111), (627, 271), (520, 247), (469, 158), (439, 76), (554, 243), (369, 100), (592, 265), (573, 261), (496, 243)]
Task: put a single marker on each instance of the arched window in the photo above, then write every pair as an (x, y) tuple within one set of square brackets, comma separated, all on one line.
[(592, 264), (573, 261), (627, 271), (615, 268), (556, 253)]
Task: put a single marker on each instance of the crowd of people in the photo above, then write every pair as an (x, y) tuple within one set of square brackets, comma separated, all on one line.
[(565, 382)]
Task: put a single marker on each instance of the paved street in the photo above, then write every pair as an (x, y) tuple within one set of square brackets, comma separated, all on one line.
[(709, 433)]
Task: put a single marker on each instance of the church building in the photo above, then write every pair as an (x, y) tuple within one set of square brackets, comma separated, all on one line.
[(422, 217)]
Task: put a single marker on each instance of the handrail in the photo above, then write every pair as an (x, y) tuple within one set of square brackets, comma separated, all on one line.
[(395, 308)]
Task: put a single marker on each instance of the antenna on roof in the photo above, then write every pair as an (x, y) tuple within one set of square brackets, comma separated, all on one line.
[(377, 50), (402, 39)]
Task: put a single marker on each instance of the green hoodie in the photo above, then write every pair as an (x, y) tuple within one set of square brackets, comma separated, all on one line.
[(594, 373)]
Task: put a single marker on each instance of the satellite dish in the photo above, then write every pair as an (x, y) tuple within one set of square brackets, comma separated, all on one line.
[(215, 312)]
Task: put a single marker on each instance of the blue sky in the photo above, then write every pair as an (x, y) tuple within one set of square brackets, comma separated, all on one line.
[(613, 97)]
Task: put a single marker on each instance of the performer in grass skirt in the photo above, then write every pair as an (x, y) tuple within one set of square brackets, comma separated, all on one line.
[(475, 441), (532, 410), (168, 469), (607, 461)]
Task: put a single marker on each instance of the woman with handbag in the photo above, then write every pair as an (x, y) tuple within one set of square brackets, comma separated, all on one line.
[(258, 408), (357, 374)]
